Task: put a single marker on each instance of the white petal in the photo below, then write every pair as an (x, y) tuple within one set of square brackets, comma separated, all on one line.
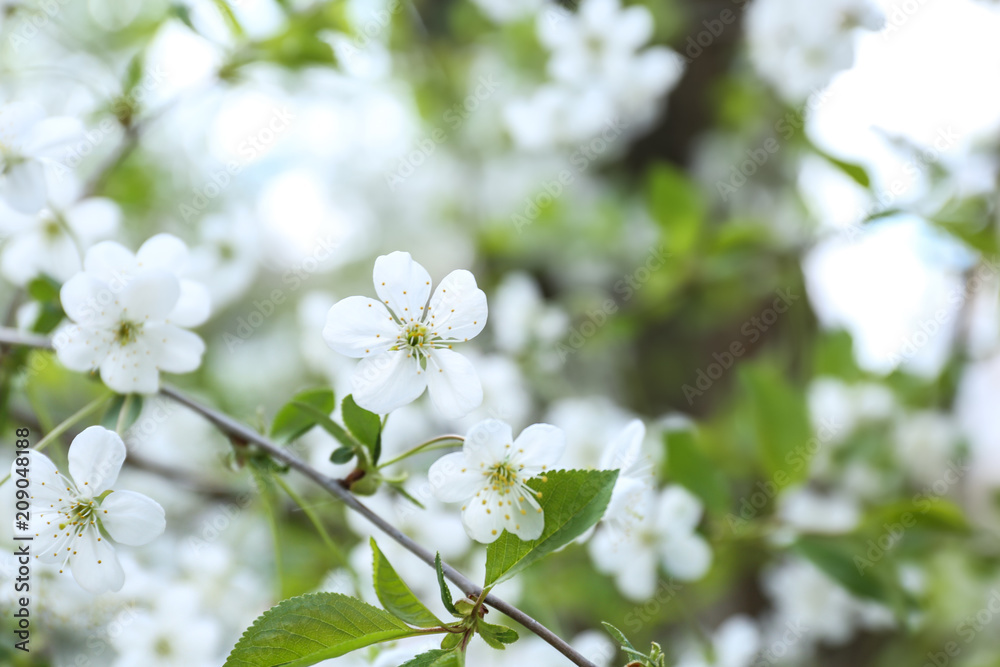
[(194, 305), (481, 518), (688, 557), (637, 577), (453, 480), (458, 308), (677, 510), (173, 349), (16, 121), (151, 295), (524, 518), (95, 564), (132, 518), (80, 348), (387, 381), (19, 259), (50, 541), (111, 262), (49, 138), (59, 258), (360, 327), (23, 186), (130, 370), (539, 446), (95, 457), (163, 251), (453, 384), (402, 284), (623, 451), (632, 28), (89, 301), (487, 443), (93, 218)]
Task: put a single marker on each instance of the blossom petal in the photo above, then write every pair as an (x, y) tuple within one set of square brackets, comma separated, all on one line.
[(360, 327), (677, 511), (487, 443), (194, 305), (632, 28), (458, 308), (16, 121), (402, 284), (129, 369), (111, 262), (89, 301), (151, 295), (23, 186), (387, 381), (50, 137), (173, 349), (19, 258), (81, 348), (95, 457), (524, 518), (624, 450), (688, 557), (637, 579), (162, 251), (95, 564), (453, 383), (132, 518), (93, 218), (453, 480), (481, 518), (539, 446)]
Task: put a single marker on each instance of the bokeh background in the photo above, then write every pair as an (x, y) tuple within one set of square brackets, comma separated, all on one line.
[(767, 229)]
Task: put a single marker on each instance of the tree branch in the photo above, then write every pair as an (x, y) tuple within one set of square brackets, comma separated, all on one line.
[(244, 434)]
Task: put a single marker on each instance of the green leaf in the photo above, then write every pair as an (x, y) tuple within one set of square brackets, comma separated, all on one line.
[(396, 596), (342, 455), (304, 630), (836, 557), (496, 636), (443, 585), (690, 468), (452, 639), (293, 421), (856, 172), (677, 205), (114, 411), (781, 423), (44, 289), (573, 501), (364, 425), (437, 658), (625, 644)]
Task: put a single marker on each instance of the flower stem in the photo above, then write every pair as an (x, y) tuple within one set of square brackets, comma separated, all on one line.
[(320, 528), (430, 445), (123, 414)]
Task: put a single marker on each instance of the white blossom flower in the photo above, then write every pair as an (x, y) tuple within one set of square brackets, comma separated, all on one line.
[(28, 142), (73, 517), (174, 632), (798, 47), (405, 343), (127, 315), (602, 82), (488, 476), (52, 241), (662, 531)]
